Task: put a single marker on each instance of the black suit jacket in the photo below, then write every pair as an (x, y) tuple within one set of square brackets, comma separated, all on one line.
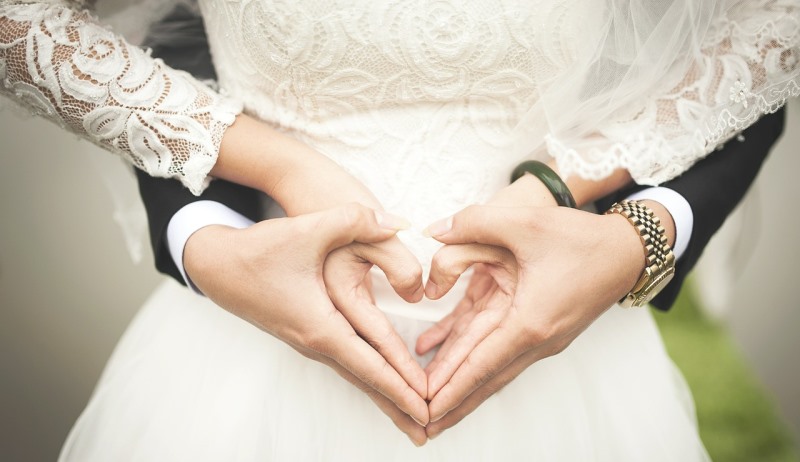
[(713, 186)]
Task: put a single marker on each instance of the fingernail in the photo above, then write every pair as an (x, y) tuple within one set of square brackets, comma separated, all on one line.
[(419, 422), (419, 293), (389, 221), (431, 289), (437, 228)]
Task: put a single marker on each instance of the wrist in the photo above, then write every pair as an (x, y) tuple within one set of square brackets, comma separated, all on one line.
[(666, 219), (527, 191), (659, 260), (587, 191), (628, 252), (292, 173), (205, 250)]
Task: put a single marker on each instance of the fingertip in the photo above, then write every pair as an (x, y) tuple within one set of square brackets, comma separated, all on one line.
[(421, 384), (412, 297), (405, 277), (391, 222), (432, 291), (438, 228), (418, 437), (434, 430), (437, 412), (418, 294), (422, 415), (434, 386), (423, 345)]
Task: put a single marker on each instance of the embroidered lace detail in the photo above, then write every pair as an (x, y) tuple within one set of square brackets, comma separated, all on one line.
[(60, 64), (749, 67), (417, 99)]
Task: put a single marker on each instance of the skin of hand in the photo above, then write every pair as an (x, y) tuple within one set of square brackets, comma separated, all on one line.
[(296, 176), (302, 180), (511, 316), (273, 275)]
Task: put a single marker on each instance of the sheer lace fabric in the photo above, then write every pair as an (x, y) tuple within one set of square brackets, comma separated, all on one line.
[(418, 100), (744, 64), (62, 65), (598, 85), (434, 103)]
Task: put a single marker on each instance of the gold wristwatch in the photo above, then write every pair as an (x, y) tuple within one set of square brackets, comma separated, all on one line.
[(659, 259)]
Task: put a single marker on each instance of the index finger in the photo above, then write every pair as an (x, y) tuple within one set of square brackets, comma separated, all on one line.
[(354, 354), (489, 357)]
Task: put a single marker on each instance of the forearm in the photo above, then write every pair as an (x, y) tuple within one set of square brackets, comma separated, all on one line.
[(296, 176)]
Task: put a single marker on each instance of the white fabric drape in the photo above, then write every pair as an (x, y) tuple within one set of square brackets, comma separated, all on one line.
[(655, 86)]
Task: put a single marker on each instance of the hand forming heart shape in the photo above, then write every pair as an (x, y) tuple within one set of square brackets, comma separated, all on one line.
[(539, 281)]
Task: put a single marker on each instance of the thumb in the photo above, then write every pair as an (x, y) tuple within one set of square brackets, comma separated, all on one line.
[(401, 267), (451, 261), (354, 222), (478, 224)]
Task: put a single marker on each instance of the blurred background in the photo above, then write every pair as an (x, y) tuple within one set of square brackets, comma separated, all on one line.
[(68, 288)]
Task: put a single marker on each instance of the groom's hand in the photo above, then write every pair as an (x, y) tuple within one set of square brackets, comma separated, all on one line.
[(271, 275), (568, 267)]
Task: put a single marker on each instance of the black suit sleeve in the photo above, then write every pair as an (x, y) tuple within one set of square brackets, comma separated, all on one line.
[(713, 187), (163, 197)]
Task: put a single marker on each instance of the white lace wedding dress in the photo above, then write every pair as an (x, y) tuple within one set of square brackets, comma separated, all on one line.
[(422, 101)]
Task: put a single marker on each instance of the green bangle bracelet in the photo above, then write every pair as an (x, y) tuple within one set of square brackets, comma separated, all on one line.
[(549, 178)]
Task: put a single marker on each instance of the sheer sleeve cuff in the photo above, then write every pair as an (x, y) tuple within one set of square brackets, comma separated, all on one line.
[(61, 64)]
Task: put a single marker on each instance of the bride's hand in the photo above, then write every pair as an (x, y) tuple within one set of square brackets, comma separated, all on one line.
[(554, 271), (274, 279), (299, 178)]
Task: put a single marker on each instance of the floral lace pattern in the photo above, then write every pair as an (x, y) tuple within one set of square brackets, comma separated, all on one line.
[(750, 65), (60, 64), (433, 87), (417, 99)]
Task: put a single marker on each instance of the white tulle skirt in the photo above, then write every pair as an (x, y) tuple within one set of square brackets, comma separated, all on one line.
[(191, 382)]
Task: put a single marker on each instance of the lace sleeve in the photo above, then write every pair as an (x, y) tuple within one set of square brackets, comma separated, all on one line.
[(61, 64), (749, 65)]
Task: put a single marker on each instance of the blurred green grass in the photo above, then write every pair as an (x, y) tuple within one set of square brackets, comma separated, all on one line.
[(737, 418)]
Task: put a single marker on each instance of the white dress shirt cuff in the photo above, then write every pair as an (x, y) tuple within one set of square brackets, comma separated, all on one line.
[(680, 210), (191, 218)]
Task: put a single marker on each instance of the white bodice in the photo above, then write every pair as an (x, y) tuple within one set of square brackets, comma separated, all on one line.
[(417, 99), (421, 88), (429, 103)]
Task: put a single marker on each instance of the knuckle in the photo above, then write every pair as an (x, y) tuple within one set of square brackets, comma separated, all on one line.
[(318, 340), (353, 215), (369, 382), (305, 226), (408, 276), (467, 214), (442, 261), (481, 375), (535, 335), (558, 346), (378, 341)]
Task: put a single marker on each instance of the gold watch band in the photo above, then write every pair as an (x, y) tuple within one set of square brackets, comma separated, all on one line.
[(659, 259)]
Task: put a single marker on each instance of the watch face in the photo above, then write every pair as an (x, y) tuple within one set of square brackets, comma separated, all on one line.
[(655, 286)]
